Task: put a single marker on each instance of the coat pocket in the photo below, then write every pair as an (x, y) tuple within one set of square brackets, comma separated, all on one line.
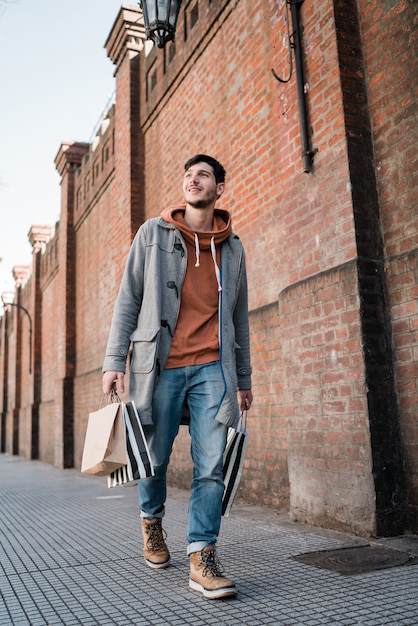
[(144, 349)]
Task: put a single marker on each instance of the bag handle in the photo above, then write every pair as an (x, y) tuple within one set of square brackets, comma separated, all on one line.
[(110, 398), (242, 424)]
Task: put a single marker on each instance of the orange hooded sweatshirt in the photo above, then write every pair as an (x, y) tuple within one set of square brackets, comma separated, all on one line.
[(196, 336)]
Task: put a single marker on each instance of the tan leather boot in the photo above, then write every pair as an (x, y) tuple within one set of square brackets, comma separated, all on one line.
[(156, 553), (206, 575)]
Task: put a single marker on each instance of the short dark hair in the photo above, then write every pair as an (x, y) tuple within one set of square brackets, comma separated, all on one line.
[(218, 169)]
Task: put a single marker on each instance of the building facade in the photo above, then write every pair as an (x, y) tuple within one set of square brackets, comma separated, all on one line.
[(332, 252)]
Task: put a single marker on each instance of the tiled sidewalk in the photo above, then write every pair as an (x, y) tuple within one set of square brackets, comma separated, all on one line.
[(71, 554)]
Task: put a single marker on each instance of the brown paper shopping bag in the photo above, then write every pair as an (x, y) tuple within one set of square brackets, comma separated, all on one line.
[(104, 446)]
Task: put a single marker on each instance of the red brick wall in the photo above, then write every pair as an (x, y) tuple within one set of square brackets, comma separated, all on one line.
[(389, 31), (314, 212), (324, 382), (266, 477)]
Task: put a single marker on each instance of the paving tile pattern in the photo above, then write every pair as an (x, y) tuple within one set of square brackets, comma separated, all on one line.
[(70, 555)]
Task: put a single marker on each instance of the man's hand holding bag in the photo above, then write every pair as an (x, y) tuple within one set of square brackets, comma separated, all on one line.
[(105, 442)]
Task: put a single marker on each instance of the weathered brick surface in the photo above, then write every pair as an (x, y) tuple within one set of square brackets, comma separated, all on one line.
[(324, 388), (389, 35), (332, 260), (403, 287)]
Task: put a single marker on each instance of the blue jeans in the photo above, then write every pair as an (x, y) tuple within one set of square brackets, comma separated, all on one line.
[(201, 387)]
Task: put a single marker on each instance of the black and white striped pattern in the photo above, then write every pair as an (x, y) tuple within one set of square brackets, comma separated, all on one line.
[(234, 453), (139, 463)]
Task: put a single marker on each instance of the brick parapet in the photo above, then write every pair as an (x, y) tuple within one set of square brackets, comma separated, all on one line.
[(95, 171), (127, 34), (70, 155), (39, 235)]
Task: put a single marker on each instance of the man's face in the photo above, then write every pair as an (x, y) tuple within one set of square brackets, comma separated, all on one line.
[(200, 188)]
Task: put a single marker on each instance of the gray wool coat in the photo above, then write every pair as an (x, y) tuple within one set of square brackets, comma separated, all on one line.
[(147, 308)]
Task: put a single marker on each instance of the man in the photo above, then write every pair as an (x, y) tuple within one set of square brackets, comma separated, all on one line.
[(183, 306)]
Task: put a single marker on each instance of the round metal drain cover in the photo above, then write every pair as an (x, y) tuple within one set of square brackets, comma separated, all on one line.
[(355, 560)]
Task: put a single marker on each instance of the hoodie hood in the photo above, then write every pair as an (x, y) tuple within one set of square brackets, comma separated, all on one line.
[(222, 227), (202, 240)]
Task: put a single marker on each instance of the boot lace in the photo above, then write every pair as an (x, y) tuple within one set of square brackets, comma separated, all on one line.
[(156, 537), (211, 564)]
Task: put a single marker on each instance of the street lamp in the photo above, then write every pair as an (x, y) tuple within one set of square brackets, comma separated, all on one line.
[(7, 299), (160, 19)]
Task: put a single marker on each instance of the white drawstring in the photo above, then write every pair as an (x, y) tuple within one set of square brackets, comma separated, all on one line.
[(197, 248), (217, 272), (213, 251)]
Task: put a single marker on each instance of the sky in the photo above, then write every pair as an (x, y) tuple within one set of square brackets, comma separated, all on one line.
[(55, 82)]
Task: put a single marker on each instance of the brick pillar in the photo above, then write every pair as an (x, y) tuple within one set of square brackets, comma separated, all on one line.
[(4, 353), (123, 45), (385, 439), (20, 273), (67, 161), (38, 237)]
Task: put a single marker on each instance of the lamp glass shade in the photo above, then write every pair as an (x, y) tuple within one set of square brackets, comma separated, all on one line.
[(160, 19)]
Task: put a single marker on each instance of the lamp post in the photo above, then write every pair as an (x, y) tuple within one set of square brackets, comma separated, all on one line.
[(295, 43), (7, 300), (160, 19)]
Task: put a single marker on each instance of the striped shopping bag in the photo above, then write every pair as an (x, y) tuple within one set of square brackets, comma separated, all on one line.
[(139, 464), (234, 453)]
